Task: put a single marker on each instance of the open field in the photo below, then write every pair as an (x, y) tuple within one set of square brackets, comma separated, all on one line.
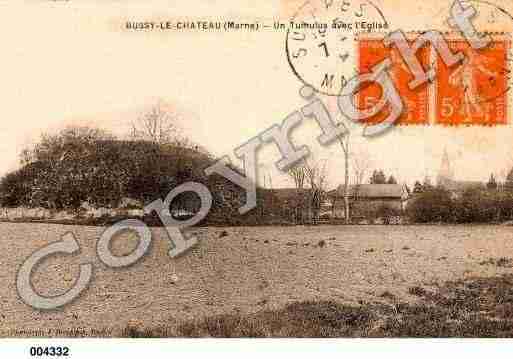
[(244, 271)]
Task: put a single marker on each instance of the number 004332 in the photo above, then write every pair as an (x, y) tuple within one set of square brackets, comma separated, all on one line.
[(49, 351)]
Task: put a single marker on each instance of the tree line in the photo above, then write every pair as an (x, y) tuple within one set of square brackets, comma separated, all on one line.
[(486, 203), (85, 164)]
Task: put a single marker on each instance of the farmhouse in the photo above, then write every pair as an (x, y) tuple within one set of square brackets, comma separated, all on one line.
[(367, 199)]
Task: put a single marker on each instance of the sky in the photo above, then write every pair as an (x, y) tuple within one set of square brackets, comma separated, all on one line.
[(74, 63)]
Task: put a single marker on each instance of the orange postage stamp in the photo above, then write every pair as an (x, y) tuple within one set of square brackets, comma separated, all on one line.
[(474, 91), (416, 102)]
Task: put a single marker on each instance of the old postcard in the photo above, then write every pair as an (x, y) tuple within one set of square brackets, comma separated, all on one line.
[(288, 168)]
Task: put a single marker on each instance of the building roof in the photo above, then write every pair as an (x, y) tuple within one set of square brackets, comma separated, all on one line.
[(373, 191)]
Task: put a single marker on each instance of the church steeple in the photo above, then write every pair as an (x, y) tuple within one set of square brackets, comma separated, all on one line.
[(445, 175)]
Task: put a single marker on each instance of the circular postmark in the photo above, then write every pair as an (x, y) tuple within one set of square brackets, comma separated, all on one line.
[(320, 43)]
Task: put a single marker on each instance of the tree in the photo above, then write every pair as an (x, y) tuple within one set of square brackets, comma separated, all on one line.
[(157, 125), (81, 164), (316, 174), (391, 180), (433, 205), (310, 176), (344, 143), (16, 186), (53, 147), (64, 166), (492, 183), (344, 140), (508, 184), (298, 175), (426, 185), (361, 162), (378, 177), (417, 187)]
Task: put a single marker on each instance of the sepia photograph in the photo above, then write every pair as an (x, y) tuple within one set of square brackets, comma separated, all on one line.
[(290, 169)]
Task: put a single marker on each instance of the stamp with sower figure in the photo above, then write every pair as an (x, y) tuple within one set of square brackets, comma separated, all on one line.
[(474, 92), (328, 43), (371, 50)]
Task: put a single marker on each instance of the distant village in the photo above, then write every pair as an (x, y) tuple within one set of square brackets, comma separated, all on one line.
[(384, 201), (88, 176)]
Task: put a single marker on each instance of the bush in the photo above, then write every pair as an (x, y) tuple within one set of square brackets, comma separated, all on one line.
[(476, 205), (434, 205), (477, 307), (386, 213)]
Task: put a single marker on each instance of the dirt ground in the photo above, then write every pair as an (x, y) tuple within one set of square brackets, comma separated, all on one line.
[(243, 270)]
